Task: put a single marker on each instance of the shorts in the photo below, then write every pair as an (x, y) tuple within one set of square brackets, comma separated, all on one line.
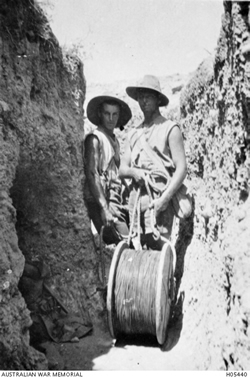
[(120, 212)]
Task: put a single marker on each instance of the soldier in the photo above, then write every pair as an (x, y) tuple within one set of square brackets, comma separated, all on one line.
[(103, 190), (153, 150)]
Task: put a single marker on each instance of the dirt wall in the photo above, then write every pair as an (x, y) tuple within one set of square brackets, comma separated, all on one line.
[(215, 122), (43, 215)]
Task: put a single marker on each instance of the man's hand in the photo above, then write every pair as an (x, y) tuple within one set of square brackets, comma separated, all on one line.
[(107, 217), (159, 206), (138, 176)]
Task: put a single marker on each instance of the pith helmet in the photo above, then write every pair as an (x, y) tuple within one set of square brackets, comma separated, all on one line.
[(148, 82)]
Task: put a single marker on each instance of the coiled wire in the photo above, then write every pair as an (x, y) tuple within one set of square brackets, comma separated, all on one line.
[(135, 292)]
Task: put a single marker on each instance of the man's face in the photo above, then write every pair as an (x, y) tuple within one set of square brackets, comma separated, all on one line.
[(109, 115), (148, 101)]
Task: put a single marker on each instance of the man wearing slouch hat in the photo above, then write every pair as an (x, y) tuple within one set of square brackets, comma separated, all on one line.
[(103, 187)]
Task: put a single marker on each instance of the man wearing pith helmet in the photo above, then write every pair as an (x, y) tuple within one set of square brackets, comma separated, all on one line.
[(152, 148), (103, 188)]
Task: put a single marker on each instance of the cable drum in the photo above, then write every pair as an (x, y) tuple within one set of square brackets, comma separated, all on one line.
[(140, 291)]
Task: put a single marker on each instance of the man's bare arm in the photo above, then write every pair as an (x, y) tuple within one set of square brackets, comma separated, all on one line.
[(92, 157), (178, 156)]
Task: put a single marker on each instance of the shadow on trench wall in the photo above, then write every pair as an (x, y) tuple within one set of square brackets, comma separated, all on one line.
[(185, 235)]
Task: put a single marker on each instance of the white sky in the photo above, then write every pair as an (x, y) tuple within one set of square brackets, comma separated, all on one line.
[(126, 39)]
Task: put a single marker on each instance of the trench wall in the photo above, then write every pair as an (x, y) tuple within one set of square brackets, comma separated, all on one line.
[(215, 120), (43, 215)]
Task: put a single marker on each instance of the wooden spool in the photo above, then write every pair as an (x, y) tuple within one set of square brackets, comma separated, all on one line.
[(162, 294)]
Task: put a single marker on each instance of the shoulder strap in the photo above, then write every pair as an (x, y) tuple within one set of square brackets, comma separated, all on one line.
[(158, 158)]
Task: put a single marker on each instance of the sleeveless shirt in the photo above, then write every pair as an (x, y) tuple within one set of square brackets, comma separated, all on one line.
[(108, 165), (157, 138)]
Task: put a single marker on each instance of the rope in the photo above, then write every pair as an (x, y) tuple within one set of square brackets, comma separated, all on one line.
[(101, 256), (150, 185), (157, 173), (131, 233), (155, 231)]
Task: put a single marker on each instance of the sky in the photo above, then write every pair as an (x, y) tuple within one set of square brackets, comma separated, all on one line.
[(127, 39)]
